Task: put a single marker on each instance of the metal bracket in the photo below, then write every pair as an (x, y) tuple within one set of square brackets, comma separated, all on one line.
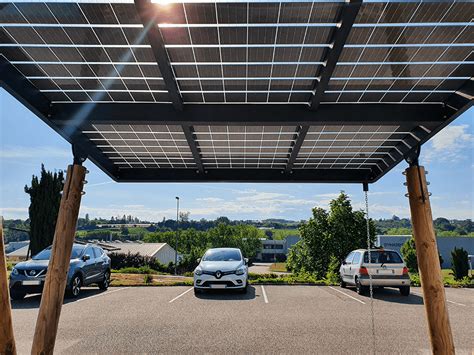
[(412, 157), (80, 156)]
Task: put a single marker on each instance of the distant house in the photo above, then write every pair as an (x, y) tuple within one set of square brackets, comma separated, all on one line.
[(19, 254), (12, 246), (276, 250), (160, 251)]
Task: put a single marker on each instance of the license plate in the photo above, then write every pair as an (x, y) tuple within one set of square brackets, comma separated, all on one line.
[(384, 272), (218, 286), (31, 282)]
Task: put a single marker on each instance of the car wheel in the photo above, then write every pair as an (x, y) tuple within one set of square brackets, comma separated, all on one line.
[(104, 284), (245, 289), (361, 290), (343, 284), (405, 290), (17, 295), (75, 287), (197, 291)]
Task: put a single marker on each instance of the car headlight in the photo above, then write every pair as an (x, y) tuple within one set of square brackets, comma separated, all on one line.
[(198, 271), (240, 271), (15, 271)]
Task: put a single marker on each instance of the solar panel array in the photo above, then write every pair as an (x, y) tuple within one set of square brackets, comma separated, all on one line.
[(245, 53), (239, 52)]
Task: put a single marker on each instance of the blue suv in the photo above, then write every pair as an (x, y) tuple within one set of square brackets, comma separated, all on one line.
[(89, 265)]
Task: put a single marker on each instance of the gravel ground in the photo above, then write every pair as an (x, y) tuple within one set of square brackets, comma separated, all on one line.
[(269, 319)]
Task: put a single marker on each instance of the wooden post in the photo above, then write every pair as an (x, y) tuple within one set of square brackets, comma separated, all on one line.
[(7, 339), (55, 284), (434, 296)]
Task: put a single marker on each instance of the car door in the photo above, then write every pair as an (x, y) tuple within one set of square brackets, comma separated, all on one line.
[(100, 263), (346, 267), (88, 267), (355, 265)]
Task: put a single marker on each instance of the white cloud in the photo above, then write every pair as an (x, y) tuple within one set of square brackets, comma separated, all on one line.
[(451, 144), (17, 152), (210, 199), (14, 212)]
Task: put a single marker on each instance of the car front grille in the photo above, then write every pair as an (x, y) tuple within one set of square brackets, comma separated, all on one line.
[(209, 283), (34, 272)]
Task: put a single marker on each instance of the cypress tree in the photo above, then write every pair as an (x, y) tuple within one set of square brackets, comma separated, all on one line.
[(45, 198)]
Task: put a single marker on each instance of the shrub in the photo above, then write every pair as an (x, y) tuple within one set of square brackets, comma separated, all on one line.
[(409, 255), (460, 263), (333, 276), (122, 260), (408, 250), (148, 279)]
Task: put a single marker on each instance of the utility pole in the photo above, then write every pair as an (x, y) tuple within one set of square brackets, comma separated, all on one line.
[(177, 235)]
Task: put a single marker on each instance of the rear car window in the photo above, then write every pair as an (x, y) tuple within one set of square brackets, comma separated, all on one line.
[(383, 257)]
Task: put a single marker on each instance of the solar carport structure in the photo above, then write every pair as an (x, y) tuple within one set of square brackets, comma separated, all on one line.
[(290, 91)]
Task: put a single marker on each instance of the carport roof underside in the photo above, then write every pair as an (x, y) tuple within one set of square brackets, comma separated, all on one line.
[(308, 91)]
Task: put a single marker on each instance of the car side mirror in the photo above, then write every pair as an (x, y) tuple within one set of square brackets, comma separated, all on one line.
[(86, 257), (198, 260), (246, 261), (344, 262)]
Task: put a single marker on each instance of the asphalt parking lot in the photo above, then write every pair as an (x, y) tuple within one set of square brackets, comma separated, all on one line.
[(269, 319)]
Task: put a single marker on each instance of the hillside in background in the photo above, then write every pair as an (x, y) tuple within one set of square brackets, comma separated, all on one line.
[(132, 228)]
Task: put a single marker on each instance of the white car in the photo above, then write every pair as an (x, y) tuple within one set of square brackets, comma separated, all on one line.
[(221, 268), (387, 269)]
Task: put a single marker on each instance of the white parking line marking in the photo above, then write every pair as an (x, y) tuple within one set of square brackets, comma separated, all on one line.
[(98, 295), (265, 298), (181, 295), (356, 299), (457, 304)]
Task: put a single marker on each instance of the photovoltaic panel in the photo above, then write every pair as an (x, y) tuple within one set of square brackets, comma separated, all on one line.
[(247, 53)]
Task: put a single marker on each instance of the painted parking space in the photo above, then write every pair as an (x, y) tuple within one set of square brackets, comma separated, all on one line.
[(297, 319)]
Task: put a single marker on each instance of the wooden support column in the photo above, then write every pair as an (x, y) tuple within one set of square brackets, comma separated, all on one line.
[(434, 296), (53, 292), (7, 340)]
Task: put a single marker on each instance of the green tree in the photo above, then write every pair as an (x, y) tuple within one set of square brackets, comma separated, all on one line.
[(408, 250), (460, 262), (329, 236), (45, 198)]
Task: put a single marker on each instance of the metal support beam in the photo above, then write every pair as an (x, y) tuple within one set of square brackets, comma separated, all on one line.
[(301, 135), (348, 15), (21, 89), (252, 115), (149, 14), (243, 175), (189, 134)]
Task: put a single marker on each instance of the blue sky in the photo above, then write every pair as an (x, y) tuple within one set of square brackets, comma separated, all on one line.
[(26, 142)]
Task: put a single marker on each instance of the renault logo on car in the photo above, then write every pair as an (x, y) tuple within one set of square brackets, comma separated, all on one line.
[(218, 274)]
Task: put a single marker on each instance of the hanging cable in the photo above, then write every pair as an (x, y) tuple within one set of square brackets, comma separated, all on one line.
[(371, 289)]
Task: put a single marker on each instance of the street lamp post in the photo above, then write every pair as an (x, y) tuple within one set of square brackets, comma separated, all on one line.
[(177, 234)]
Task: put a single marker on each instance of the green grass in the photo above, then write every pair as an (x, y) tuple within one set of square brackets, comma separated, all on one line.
[(279, 234), (278, 267)]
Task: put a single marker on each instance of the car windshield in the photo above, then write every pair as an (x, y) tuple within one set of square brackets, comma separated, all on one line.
[(46, 253), (222, 255), (383, 257)]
